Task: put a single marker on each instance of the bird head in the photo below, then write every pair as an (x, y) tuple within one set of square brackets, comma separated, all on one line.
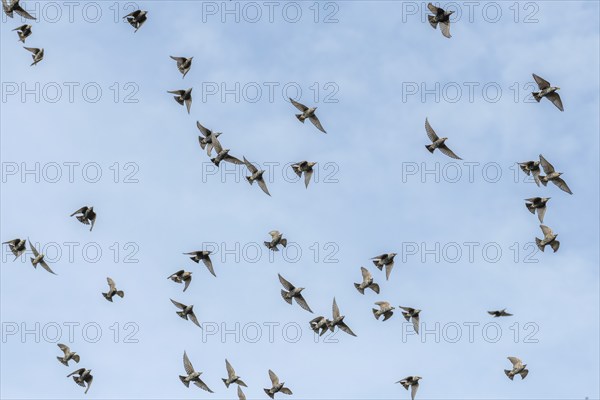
[(300, 289), (312, 164)]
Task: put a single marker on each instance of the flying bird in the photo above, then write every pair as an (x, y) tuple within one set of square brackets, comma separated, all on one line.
[(547, 91), (38, 259), (256, 175), (112, 290), (500, 313), (68, 355), (82, 377), (307, 113), (276, 386), (518, 368), (338, 320), (24, 31), (17, 246), (222, 154), (438, 143), (367, 282), (87, 216), (413, 313), (442, 17), (531, 168), (385, 309), (136, 18), (386, 260), (549, 239), (539, 204), (307, 168), (192, 375), (319, 325), (413, 383), (231, 376), (186, 311), (293, 293), (14, 6), (183, 64), (203, 255), (38, 54), (276, 239), (205, 138), (182, 276), (183, 96), (552, 176)]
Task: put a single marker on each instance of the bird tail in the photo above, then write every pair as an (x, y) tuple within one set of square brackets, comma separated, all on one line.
[(268, 392), (186, 383), (375, 314), (432, 21), (300, 117), (507, 372), (33, 263), (283, 294), (283, 242), (62, 361), (107, 297), (539, 244), (214, 161), (430, 147), (544, 181), (531, 208), (270, 247), (536, 96), (177, 98), (360, 290), (226, 382), (297, 170), (194, 260), (406, 315), (249, 179), (120, 293), (375, 287)]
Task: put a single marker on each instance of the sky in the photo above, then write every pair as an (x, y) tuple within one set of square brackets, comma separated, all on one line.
[(93, 124)]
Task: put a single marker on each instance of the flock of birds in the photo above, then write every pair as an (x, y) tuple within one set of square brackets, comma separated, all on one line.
[(209, 141)]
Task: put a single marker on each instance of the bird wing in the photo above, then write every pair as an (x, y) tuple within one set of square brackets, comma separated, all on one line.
[(541, 82), (515, 361), (206, 260), (33, 249), (177, 92), (111, 283), (365, 274), (19, 10), (187, 283), (562, 185), (250, 167), (302, 303), (430, 132), (413, 390), (382, 304), (432, 8), (542, 211), (194, 319), (285, 390), (202, 385), (179, 60), (274, 234), (548, 168), (230, 370), (307, 177), (178, 304), (285, 284), (88, 379), (555, 99), (205, 132), (547, 231), (233, 160), (346, 329), (388, 270), (299, 106), (415, 321), (335, 309), (274, 378), (446, 150), (216, 144), (317, 123), (47, 267), (189, 368), (188, 104), (64, 348), (241, 395), (262, 184), (78, 372), (445, 28), (80, 211), (410, 310)]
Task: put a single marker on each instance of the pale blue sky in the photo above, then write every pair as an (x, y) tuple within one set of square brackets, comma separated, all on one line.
[(367, 206)]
